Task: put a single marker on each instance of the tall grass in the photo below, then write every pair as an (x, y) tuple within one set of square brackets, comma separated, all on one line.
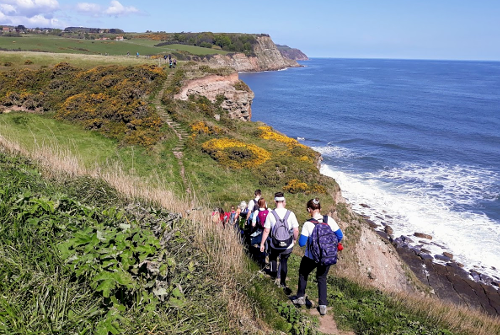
[(221, 246)]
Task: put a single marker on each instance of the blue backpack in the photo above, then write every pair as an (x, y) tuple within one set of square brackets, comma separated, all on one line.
[(323, 243)]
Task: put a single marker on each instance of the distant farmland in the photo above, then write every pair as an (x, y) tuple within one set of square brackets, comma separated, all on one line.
[(58, 44)]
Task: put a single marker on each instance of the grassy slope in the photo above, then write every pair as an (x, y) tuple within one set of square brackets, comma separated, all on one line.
[(219, 186), (56, 44)]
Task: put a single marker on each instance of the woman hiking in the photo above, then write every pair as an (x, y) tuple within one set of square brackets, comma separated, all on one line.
[(308, 264)]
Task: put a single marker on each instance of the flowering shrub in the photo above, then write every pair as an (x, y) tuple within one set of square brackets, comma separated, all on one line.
[(297, 186), (202, 127), (235, 154), (109, 99), (268, 134)]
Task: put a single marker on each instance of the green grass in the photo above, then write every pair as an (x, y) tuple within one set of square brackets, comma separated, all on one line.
[(43, 59), (42, 291), (35, 132), (56, 44)]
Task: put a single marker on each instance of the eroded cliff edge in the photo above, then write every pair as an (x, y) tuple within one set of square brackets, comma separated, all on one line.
[(266, 57)]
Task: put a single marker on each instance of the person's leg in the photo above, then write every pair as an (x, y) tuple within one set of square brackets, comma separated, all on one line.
[(273, 260), (284, 266), (321, 274), (306, 266)]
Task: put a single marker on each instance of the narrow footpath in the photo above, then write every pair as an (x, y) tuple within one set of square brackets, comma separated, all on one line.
[(181, 134)]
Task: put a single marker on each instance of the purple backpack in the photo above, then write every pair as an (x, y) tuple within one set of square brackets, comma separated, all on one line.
[(323, 243), (281, 238)]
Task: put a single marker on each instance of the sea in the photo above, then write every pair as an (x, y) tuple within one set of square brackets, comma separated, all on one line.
[(413, 144)]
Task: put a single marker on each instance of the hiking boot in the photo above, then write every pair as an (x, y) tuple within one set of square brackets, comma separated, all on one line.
[(286, 290), (299, 301), (322, 309)]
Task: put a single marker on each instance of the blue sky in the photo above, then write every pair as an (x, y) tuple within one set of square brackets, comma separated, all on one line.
[(425, 29)]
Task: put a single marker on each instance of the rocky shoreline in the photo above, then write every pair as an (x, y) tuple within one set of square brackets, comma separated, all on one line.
[(448, 281)]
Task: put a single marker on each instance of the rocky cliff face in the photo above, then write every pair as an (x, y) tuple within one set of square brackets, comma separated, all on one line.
[(267, 58), (238, 97), (292, 53)]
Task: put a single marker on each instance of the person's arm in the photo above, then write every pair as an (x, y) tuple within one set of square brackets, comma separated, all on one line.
[(303, 240), (295, 234), (254, 219), (339, 234), (251, 205), (265, 234), (304, 235)]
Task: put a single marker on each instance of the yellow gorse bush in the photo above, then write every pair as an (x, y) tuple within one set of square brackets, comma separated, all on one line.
[(298, 186), (235, 154), (268, 134), (203, 128)]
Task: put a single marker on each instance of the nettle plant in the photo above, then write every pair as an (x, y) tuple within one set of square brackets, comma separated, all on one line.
[(124, 262)]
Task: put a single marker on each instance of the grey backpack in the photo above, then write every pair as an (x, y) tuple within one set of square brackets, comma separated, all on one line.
[(281, 238)]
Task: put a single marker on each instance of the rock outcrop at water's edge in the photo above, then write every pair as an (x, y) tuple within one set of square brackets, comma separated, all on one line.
[(267, 58), (237, 102)]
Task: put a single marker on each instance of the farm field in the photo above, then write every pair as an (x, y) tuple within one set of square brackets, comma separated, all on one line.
[(56, 44)]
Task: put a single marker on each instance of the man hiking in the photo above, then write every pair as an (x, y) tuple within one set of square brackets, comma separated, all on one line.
[(283, 229)]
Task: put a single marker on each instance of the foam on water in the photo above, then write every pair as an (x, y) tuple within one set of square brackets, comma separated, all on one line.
[(334, 151), (417, 205)]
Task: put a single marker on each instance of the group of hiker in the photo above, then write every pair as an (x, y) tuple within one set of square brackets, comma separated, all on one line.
[(274, 233)]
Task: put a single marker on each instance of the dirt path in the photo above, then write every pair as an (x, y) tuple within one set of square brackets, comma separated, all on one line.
[(181, 134), (327, 324)]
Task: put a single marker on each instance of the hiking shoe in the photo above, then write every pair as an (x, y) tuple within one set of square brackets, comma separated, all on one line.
[(299, 301), (322, 309), (286, 290)]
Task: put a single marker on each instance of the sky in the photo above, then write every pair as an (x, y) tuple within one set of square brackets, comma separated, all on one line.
[(397, 29)]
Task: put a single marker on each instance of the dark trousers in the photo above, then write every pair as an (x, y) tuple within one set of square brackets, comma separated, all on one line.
[(273, 260), (306, 266)]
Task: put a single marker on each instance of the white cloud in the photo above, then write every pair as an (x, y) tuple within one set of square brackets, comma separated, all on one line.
[(89, 8), (7, 9), (31, 13), (115, 8), (31, 8)]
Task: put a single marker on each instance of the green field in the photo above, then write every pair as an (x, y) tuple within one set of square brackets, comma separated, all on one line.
[(58, 44)]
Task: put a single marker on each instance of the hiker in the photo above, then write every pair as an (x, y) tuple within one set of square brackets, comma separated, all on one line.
[(282, 227), (320, 254), (175, 62), (218, 216), (258, 221), (232, 216), (137, 54), (253, 205), (241, 216), (170, 65), (165, 58), (128, 53)]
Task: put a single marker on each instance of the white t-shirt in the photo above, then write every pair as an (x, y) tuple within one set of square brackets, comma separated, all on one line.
[(252, 203), (308, 227), (271, 221)]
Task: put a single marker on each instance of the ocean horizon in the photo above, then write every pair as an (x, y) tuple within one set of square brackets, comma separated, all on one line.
[(413, 144)]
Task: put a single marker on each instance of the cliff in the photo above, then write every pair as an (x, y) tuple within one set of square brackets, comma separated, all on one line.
[(267, 58), (291, 53), (237, 96)]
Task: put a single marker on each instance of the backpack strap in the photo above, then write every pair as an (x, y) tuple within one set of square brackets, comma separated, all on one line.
[(325, 219), (285, 218)]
